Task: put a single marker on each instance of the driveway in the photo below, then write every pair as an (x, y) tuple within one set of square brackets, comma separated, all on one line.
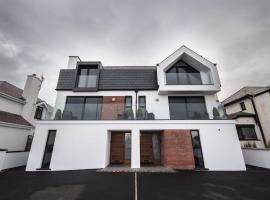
[(88, 184)]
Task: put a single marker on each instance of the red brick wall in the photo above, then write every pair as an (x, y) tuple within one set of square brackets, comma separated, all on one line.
[(176, 149), (111, 109)]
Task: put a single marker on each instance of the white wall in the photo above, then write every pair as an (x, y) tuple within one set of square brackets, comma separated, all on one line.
[(14, 159), (13, 139), (10, 106), (257, 157), (84, 144), (251, 121), (233, 108), (262, 103)]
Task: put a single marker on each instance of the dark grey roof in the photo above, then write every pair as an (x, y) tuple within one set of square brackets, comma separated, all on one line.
[(115, 78), (13, 119), (244, 92), (66, 80), (240, 114)]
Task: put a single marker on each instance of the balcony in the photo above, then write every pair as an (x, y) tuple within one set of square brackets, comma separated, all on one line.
[(158, 111)]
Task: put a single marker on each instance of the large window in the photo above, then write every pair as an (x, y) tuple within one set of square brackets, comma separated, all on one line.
[(246, 132), (187, 108), (183, 74), (87, 77), (83, 108)]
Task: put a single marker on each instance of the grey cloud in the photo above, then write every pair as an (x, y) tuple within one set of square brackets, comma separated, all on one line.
[(41, 34)]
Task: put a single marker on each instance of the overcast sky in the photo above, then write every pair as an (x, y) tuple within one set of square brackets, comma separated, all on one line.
[(37, 37)]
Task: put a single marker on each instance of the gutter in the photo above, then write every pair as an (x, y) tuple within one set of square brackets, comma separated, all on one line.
[(257, 119)]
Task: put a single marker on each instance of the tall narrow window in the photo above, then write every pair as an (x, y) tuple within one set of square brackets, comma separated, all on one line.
[(142, 107), (28, 143), (128, 103), (243, 106), (127, 146), (87, 77), (39, 111), (197, 149), (48, 149)]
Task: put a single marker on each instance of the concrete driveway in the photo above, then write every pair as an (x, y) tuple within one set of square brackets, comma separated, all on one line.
[(88, 184)]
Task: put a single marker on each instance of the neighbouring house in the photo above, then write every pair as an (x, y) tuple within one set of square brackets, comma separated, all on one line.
[(137, 115), (19, 110), (250, 107)]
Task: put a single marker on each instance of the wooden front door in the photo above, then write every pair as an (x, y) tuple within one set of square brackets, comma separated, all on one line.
[(146, 148), (117, 148)]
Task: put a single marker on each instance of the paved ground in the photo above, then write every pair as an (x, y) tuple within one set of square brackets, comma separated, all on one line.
[(87, 184)]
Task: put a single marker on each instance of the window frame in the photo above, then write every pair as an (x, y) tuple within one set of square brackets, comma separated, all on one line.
[(240, 133), (88, 65), (187, 113), (38, 109), (243, 106), (128, 107), (177, 71), (83, 106)]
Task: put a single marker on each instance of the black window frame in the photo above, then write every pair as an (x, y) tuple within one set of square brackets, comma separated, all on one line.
[(141, 106), (241, 135), (243, 106), (186, 98), (126, 105), (86, 65), (98, 115), (47, 149), (186, 68), (200, 147), (39, 112)]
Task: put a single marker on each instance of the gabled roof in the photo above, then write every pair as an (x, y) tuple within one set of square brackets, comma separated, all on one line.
[(115, 78), (244, 92), (13, 119), (13, 91)]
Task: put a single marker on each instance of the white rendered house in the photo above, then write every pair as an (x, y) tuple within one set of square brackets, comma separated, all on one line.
[(19, 110), (250, 107), (137, 115)]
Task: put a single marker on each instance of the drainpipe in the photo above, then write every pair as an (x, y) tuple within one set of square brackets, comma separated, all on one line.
[(257, 119), (136, 103)]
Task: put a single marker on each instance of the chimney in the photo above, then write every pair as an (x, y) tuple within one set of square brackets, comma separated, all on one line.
[(30, 93), (72, 62)]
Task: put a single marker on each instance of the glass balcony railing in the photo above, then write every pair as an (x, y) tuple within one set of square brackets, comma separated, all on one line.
[(157, 111)]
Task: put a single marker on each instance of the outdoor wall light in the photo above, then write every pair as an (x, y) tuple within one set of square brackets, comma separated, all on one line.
[(113, 99)]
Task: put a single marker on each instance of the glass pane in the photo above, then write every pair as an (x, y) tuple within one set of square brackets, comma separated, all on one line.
[(248, 133), (142, 101), (171, 76), (91, 81), (156, 146), (48, 149), (195, 78), (82, 81), (196, 107), (92, 108), (197, 151), (183, 78), (127, 146), (83, 72), (178, 108), (74, 107)]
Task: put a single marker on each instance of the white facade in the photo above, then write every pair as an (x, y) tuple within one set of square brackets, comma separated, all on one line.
[(85, 144)]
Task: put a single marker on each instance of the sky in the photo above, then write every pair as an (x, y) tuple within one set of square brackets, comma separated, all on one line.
[(36, 37)]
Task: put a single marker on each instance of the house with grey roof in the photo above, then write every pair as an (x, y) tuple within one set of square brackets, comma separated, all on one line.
[(19, 110), (250, 107), (164, 115)]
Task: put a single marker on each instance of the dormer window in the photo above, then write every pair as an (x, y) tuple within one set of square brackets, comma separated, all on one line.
[(183, 74), (87, 76)]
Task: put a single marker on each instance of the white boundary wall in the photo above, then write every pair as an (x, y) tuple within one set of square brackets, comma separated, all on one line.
[(257, 157), (86, 144), (12, 159)]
